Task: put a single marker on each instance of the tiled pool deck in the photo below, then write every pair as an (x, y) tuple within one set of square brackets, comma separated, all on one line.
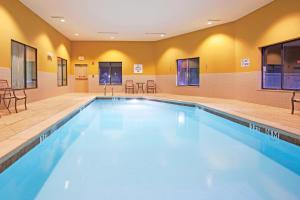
[(17, 129)]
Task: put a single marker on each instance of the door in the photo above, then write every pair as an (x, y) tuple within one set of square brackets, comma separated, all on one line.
[(81, 78)]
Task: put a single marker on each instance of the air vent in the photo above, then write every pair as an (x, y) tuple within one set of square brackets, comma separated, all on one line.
[(107, 33), (160, 34), (57, 17), (214, 20), (155, 33)]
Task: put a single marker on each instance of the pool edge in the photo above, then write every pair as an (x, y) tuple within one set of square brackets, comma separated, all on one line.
[(20, 150), (10, 157)]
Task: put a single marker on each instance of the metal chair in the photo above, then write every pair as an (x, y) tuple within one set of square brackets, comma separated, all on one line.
[(151, 86), (9, 94), (129, 86), (294, 100)]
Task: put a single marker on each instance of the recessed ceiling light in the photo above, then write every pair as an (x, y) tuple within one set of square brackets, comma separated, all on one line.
[(62, 20), (112, 37), (76, 34), (209, 22), (162, 35)]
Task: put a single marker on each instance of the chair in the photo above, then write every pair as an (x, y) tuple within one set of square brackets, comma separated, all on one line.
[(294, 100), (3, 86), (151, 86), (8, 94), (129, 86)]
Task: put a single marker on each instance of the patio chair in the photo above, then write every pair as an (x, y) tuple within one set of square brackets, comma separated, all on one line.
[(129, 86), (151, 86), (3, 86), (294, 100), (9, 94)]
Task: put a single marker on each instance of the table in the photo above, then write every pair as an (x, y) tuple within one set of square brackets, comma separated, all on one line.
[(140, 85)]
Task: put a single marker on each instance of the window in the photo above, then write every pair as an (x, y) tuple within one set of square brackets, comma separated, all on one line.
[(110, 73), (62, 74), (23, 66), (281, 66), (188, 72)]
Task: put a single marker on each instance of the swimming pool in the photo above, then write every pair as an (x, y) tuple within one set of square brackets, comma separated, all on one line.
[(139, 149)]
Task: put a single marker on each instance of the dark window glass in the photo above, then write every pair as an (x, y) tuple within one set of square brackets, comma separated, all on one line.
[(291, 65), (272, 67), (281, 66), (62, 79), (182, 72), (23, 66), (110, 73), (188, 72)]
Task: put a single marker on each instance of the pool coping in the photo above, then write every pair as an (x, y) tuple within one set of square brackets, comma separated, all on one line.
[(26, 140)]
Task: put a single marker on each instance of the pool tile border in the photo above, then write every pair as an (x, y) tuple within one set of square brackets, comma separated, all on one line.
[(276, 133), (262, 128)]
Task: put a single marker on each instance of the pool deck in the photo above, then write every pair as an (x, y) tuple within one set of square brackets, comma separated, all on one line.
[(18, 128)]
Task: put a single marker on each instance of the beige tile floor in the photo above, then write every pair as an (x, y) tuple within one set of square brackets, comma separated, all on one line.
[(17, 128)]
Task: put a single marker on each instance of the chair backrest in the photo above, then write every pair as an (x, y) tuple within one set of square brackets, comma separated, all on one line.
[(129, 83), (150, 83), (3, 84)]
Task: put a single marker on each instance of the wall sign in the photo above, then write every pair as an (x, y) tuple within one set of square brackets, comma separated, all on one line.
[(81, 58), (138, 68), (245, 62)]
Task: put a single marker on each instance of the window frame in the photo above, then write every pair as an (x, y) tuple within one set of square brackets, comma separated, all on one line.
[(25, 66), (282, 64), (62, 78), (110, 73), (188, 85)]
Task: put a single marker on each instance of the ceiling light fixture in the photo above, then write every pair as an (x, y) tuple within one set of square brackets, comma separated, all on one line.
[(62, 20), (76, 34), (112, 37)]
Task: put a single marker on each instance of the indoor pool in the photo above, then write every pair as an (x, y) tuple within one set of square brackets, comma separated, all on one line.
[(146, 150)]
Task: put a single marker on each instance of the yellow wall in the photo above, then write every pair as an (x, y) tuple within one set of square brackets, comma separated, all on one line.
[(221, 48), (274, 23), (21, 24), (215, 47), (129, 53)]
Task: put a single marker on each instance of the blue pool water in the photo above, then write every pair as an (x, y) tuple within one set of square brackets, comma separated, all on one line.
[(144, 150)]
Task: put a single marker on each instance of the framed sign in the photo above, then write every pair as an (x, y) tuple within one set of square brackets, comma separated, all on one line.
[(245, 62), (138, 68)]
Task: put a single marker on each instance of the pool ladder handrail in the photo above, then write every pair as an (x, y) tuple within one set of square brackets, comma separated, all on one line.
[(112, 90)]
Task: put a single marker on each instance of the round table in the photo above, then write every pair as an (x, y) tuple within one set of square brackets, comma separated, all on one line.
[(140, 85)]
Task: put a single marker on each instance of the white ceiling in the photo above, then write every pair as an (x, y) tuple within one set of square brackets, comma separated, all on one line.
[(131, 19)]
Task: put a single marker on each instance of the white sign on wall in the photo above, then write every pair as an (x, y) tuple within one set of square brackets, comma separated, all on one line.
[(245, 62), (138, 68), (81, 58)]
